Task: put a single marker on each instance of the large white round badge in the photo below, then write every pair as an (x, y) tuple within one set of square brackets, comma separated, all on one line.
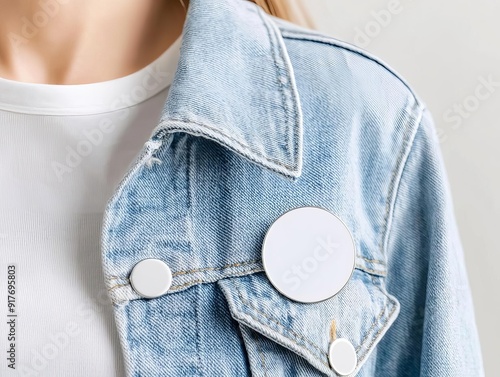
[(308, 254)]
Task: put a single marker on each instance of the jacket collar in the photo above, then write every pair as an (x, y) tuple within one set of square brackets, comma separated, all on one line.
[(234, 84)]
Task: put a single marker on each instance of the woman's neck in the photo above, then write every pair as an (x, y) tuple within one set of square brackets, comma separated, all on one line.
[(77, 42)]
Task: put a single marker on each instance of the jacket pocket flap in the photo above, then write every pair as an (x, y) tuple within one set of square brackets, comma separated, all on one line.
[(363, 311)]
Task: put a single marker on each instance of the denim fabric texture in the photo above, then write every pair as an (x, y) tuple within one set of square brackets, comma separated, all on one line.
[(262, 117)]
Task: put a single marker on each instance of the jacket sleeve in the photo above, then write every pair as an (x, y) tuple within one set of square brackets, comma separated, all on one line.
[(435, 333)]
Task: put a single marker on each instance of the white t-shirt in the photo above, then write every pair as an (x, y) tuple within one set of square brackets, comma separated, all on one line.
[(63, 151)]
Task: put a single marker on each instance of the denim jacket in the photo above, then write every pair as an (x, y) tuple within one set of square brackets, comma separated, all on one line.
[(263, 117)]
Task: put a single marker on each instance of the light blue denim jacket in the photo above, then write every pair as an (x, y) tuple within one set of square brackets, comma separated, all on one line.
[(262, 117)]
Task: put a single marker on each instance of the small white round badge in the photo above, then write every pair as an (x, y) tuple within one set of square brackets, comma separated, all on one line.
[(151, 278), (342, 357), (308, 254)]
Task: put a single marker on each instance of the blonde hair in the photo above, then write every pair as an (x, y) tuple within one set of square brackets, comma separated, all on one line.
[(290, 10)]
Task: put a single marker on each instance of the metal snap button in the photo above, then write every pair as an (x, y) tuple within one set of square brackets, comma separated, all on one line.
[(151, 278), (308, 254)]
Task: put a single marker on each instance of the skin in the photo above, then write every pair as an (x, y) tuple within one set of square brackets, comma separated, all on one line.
[(84, 41)]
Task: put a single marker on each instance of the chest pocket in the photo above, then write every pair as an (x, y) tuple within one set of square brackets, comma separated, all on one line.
[(286, 338)]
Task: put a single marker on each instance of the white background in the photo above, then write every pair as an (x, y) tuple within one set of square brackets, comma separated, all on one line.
[(444, 50)]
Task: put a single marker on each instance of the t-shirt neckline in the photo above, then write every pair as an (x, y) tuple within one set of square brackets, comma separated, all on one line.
[(93, 98)]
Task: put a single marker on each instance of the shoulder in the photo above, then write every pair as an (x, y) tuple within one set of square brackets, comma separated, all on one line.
[(346, 58), (353, 89)]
